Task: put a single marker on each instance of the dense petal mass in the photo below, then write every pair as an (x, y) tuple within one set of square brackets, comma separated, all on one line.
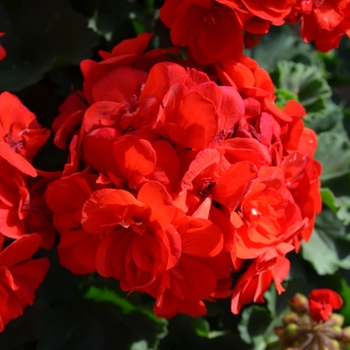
[(322, 302), (20, 276), (206, 28), (184, 185), (139, 236)]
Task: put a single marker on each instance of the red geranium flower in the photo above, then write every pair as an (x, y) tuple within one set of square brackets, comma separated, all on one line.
[(140, 243), (20, 134), (322, 302), (211, 31), (325, 22), (19, 276)]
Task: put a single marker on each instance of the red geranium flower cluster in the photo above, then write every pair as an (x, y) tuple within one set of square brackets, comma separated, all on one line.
[(312, 323), (22, 208), (213, 29), (179, 187)]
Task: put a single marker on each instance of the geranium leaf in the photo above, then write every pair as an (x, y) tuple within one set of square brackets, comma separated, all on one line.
[(305, 81), (329, 246), (255, 321), (339, 205), (339, 284), (280, 44), (334, 153)]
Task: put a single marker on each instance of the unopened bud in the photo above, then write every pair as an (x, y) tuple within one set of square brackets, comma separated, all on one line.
[(345, 335), (335, 344), (290, 317), (337, 330), (280, 331), (337, 319), (291, 330), (299, 303)]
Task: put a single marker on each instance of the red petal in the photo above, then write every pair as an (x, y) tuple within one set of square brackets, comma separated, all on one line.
[(155, 196), (202, 238), (134, 156), (21, 249), (105, 209), (16, 160), (234, 185)]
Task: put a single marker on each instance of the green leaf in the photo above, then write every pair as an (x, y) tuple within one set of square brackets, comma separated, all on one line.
[(329, 246), (139, 345), (339, 205), (304, 81), (37, 33), (283, 96), (106, 295), (280, 44), (328, 199), (255, 320), (337, 283), (327, 119), (334, 153)]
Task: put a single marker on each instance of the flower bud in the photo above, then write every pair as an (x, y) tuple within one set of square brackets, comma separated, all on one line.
[(299, 303), (280, 331), (291, 330), (337, 331), (337, 319), (335, 344), (345, 336), (290, 317)]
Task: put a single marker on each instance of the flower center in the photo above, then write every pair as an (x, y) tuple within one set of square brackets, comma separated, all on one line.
[(16, 144)]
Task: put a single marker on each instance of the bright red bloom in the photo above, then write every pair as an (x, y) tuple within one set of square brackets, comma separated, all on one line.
[(322, 302), (194, 277), (267, 216), (210, 30), (140, 243), (22, 207), (72, 110), (251, 286), (66, 197), (14, 201), (271, 10), (19, 276), (184, 181), (20, 134), (325, 22)]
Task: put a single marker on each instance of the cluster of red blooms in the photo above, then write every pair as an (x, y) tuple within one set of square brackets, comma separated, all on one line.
[(312, 325), (184, 179), (212, 29), (24, 217), (179, 187)]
